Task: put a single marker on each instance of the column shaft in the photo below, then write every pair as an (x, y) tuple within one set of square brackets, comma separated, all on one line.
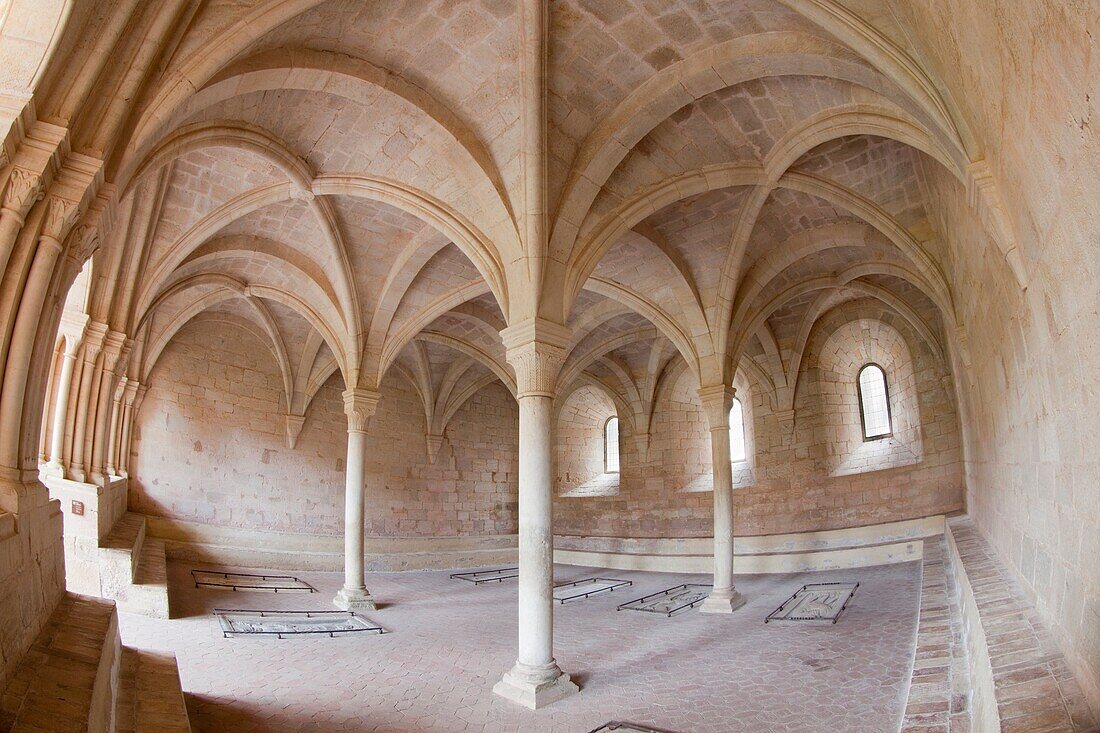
[(536, 350), (353, 513), (536, 538), (359, 406), (61, 408), (717, 401)]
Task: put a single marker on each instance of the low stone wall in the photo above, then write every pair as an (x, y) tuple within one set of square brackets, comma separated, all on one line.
[(877, 544), (1019, 679), (208, 544), (855, 547)]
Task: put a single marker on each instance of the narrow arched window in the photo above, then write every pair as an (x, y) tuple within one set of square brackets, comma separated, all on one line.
[(874, 402), (737, 432), (611, 445)]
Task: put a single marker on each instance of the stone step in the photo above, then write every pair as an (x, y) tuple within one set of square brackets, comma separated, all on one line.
[(64, 682), (150, 696), (132, 569), (148, 594), (119, 552)]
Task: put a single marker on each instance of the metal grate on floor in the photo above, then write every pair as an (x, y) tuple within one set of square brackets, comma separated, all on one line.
[(815, 602), (587, 587), (487, 576), (669, 601), (246, 622), (615, 725), (248, 582)]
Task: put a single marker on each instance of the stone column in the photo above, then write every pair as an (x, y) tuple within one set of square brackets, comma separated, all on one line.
[(61, 407), (717, 402), (359, 405), (23, 189), (536, 350), (113, 438), (94, 337), (61, 215), (116, 352), (132, 406)]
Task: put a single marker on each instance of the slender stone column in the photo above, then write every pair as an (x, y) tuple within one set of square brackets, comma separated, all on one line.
[(23, 189), (61, 215), (61, 407), (132, 407), (94, 338), (116, 352), (359, 405), (114, 437), (536, 350), (717, 401)]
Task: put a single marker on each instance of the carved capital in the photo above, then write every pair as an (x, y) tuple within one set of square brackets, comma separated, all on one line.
[(717, 400), (116, 349), (24, 188), (536, 349), (85, 242), (360, 405), (61, 215)]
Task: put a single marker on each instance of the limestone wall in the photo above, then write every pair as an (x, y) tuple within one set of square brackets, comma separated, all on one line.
[(209, 447), (1033, 482), (812, 476)]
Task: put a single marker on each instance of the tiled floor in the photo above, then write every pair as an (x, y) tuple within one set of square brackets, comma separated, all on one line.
[(451, 641)]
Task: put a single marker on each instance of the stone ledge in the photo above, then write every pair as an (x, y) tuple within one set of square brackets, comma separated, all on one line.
[(68, 677), (1020, 680), (852, 547)]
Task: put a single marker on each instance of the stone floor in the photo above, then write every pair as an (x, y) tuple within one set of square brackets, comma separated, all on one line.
[(451, 641)]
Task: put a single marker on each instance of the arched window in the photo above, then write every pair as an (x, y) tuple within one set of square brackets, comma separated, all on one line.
[(611, 445), (737, 431), (874, 402)]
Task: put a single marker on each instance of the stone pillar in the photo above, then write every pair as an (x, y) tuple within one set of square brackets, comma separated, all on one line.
[(116, 352), (717, 402), (94, 337), (536, 350), (359, 405), (132, 406), (23, 189), (113, 439), (61, 215), (61, 407)]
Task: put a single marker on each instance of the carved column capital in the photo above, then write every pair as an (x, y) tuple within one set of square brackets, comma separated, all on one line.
[(717, 401), (116, 349), (61, 216), (536, 349), (24, 188), (360, 405), (95, 334)]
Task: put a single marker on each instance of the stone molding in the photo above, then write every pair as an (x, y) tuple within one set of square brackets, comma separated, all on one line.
[(294, 425), (717, 402), (537, 350), (360, 405)]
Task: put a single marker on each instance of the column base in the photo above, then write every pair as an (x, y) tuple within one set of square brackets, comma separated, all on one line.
[(354, 599), (723, 601), (52, 469), (535, 687)]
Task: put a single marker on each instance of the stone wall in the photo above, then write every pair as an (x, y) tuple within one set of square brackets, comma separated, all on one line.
[(1034, 411), (811, 475), (209, 447)]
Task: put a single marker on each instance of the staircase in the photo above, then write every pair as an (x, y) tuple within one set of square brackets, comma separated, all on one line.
[(78, 677), (133, 570), (150, 699)]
